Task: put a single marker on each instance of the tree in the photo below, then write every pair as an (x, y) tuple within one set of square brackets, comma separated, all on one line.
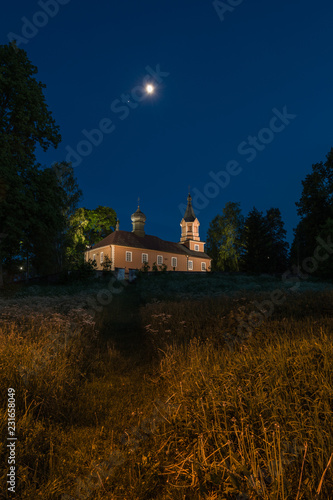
[(25, 123), (71, 195), (277, 249), (265, 247), (68, 183), (256, 242), (224, 238), (315, 207), (88, 227), (46, 222), (102, 222), (326, 264)]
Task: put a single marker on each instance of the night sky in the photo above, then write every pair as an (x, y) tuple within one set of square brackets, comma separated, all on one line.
[(220, 79)]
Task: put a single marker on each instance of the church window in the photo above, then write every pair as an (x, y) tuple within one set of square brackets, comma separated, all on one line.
[(94, 256), (174, 262), (159, 260), (203, 266), (144, 257), (128, 256), (190, 265), (102, 257)]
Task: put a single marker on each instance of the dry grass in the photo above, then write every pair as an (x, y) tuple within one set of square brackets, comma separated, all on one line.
[(170, 400)]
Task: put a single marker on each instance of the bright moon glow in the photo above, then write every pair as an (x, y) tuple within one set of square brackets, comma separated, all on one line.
[(150, 89)]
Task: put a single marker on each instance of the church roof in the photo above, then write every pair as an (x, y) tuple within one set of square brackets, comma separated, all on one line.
[(129, 239), (189, 215)]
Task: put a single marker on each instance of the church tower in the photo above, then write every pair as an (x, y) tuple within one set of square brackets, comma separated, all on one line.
[(138, 221), (190, 229)]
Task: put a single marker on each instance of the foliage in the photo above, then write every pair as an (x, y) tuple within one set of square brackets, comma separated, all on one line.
[(277, 245), (86, 228), (145, 267), (326, 265), (101, 222), (315, 207), (224, 238), (25, 123), (106, 264), (72, 194), (163, 268), (256, 244), (264, 240)]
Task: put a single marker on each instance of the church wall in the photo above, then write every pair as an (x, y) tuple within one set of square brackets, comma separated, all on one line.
[(119, 253)]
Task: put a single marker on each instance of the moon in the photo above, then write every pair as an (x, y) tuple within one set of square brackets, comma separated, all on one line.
[(150, 89)]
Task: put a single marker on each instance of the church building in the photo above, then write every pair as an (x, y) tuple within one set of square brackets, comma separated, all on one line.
[(129, 251)]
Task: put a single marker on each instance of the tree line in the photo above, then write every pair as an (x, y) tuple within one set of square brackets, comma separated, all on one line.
[(41, 229), (257, 242)]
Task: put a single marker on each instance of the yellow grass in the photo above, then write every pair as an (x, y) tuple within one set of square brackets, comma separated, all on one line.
[(169, 399)]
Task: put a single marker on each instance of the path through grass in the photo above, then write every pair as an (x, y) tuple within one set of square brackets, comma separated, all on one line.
[(165, 400)]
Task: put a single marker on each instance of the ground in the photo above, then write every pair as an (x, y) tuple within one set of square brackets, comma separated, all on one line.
[(157, 390)]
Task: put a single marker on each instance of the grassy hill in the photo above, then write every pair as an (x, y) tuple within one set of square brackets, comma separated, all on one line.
[(176, 388)]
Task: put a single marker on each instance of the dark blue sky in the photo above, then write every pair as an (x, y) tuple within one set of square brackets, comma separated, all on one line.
[(225, 78)]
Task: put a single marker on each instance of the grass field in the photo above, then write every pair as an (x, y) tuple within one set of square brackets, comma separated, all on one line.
[(163, 393)]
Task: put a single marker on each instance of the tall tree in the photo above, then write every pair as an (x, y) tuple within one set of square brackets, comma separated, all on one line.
[(49, 223), (256, 242), (277, 245), (224, 238), (266, 249), (71, 195), (315, 207), (325, 264), (25, 123)]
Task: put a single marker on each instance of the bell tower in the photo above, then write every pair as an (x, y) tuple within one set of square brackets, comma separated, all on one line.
[(190, 228)]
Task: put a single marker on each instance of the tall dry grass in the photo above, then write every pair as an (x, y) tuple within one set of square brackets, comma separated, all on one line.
[(169, 399)]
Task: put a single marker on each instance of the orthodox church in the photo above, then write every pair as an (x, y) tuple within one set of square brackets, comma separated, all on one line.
[(129, 251)]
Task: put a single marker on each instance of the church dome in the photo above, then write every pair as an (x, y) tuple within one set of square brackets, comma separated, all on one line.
[(138, 221), (138, 216)]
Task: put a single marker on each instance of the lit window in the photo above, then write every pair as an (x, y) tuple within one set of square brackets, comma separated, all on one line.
[(94, 256), (102, 257), (128, 256), (144, 257), (196, 248), (203, 266), (174, 262), (190, 265), (160, 260)]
